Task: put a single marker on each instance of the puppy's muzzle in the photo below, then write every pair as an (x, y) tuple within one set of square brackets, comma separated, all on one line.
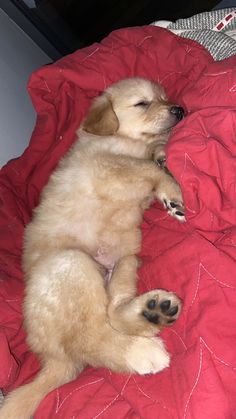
[(177, 111)]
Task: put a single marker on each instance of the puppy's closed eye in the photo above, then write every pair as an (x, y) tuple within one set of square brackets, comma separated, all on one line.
[(142, 104)]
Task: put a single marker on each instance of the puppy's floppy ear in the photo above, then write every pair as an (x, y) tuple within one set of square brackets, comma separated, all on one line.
[(101, 119)]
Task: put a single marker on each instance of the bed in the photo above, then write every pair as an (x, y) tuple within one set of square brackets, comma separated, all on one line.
[(196, 259)]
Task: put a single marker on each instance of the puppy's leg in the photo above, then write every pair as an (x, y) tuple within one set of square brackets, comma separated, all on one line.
[(54, 311), (167, 189), (143, 178), (131, 354), (169, 193), (156, 152), (144, 315), (22, 402)]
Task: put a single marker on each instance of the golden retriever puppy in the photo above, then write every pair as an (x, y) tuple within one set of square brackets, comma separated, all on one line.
[(80, 249)]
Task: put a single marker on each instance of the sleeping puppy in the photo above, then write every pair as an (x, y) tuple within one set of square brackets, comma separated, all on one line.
[(85, 230)]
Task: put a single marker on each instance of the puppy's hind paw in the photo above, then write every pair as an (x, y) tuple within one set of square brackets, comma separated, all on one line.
[(147, 356)]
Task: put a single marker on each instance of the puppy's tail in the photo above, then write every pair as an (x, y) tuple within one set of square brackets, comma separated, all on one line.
[(22, 402)]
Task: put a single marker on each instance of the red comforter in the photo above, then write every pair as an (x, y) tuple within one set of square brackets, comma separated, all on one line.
[(196, 259)]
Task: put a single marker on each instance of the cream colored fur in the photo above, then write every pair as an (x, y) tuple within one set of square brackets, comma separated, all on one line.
[(80, 248)]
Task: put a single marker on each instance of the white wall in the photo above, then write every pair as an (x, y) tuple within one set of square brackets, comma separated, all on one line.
[(19, 57)]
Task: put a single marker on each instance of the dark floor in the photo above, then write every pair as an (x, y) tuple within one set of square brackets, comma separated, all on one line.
[(72, 24)]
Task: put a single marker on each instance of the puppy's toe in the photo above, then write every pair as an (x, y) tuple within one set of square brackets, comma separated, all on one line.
[(175, 209), (159, 157), (161, 162)]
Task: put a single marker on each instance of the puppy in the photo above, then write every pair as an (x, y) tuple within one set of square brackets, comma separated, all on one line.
[(85, 230)]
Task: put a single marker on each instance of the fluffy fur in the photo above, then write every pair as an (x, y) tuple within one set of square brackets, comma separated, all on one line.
[(80, 248)]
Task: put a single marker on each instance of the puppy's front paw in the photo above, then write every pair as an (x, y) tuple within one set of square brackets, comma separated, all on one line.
[(159, 156), (175, 208), (171, 197)]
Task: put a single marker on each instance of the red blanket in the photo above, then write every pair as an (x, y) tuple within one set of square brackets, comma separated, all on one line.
[(197, 259)]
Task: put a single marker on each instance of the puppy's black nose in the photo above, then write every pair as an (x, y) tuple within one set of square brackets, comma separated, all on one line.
[(177, 111)]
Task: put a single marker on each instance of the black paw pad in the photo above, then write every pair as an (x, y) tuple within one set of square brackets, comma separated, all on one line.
[(165, 305), (151, 304), (160, 162), (181, 214), (173, 311), (153, 318)]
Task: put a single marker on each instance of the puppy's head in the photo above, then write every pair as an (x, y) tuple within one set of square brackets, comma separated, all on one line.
[(135, 108)]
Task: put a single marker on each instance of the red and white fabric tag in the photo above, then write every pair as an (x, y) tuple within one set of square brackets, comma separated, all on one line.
[(225, 21)]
